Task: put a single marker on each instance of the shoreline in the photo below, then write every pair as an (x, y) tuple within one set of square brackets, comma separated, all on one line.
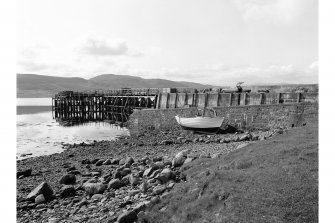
[(88, 162)]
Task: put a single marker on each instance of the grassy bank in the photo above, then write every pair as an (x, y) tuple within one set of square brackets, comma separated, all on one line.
[(270, 181)]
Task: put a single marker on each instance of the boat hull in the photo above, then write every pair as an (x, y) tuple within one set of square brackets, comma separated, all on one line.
[(201, 124)]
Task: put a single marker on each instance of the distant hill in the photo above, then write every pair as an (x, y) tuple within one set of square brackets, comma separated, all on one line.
[(33, 85)]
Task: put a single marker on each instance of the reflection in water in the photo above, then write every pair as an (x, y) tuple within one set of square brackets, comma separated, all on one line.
[(39, 134)]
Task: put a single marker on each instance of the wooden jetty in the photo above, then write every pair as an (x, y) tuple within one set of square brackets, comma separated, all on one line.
[(71, 107)]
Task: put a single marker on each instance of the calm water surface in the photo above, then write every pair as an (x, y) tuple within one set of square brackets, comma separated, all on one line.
[(39, 134)]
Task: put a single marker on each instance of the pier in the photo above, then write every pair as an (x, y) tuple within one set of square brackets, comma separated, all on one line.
[(115, 106)]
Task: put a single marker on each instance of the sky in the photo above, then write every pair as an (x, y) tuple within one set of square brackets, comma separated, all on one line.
[(219, 42)]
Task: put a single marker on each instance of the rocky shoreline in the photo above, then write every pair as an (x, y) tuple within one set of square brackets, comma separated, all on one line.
[(110, 181)]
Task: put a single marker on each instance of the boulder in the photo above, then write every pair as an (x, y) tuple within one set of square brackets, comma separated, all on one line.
[(158, 158), (127, 217), (115, 161), (99, 162), (133, 180), (178, 161), (94, 161), (188, 160), (144, 187), (98, 197), (67, 191), (166, 142), (125, 172), (129, 160), (107, 162), (148, 171), (183, 153), (40, 199), (68, 179), (164, 176), (24, 173), (159, 165), (94, 188), (115, 184), (44, 189), (159, 189), (125, 180)]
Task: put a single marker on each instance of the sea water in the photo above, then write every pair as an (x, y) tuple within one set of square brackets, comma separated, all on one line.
[(39, 134)]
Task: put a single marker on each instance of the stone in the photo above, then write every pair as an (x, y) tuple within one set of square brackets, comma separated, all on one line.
[(148, 171), (67, 191), (125, 180), (43, 188), (133, 180), (183, 153), (115, 184), (140, 207), (40, 199), (144, 187), (68, 179), (125, 172), (115, 161), (107, 162), (159, 189), (94, 188), (216, 155), (127, 217), (99, 162), (122, 161), (94, 161), (164, 176), (24, 173), (98, 197), (166, 142), (156, 159), (178, 161), (188, 160), (70, 168), (159, 165), (154, 174), (129, 160), (133, 192), (242, 145)]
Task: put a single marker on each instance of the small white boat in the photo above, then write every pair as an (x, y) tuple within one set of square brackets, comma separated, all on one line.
[(201, 124)]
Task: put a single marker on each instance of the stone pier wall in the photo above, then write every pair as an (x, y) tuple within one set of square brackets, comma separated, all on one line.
[(242, 116), (183, 100)]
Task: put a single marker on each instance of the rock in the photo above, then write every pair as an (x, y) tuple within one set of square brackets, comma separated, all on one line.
[(127, 217), (129, 160), (170, 186), (67, 191), (94, 188), (94, 161), (242, 145), (140, 207), (86, 161), (99, 162), (68, 179), (159, 165), (144, 187), (156, 159), (115, 161), (43, 188), (154, 174), (122, 161), (98, 197), (133, 180), (74, 172), (125, 172), (216, 155), (178, 161), (115, 184), (164, 176), (125, 180), (117, 175), (148, 171), (70, 168), (183, 153), (188, 160), (40, 199), (107, 162), (244, 137), (24, 173), (166, 142), (159, 189), (133, 192)]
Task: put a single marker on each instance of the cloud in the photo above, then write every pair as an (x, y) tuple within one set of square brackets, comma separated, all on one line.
[(275, 11), (101, 47)]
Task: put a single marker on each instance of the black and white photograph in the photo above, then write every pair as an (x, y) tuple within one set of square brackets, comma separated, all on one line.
[(159, 111)]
